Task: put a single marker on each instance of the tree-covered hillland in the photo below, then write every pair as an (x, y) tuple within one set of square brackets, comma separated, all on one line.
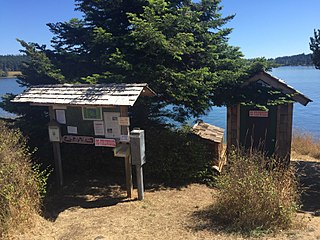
[(294, 60), (11, 62)]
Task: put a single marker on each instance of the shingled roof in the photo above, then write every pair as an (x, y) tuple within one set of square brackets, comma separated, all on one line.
[(209, 132), (84, 94), (280, 85)]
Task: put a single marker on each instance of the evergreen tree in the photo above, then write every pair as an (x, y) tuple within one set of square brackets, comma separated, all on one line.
[(315, 48), (179, 47)]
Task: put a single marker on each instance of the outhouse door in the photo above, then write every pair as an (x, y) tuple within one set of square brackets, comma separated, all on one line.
[(258, 128)]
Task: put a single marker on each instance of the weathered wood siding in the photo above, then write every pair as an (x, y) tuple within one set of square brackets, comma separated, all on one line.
[(284, 131), (233, 125), (283, 126)]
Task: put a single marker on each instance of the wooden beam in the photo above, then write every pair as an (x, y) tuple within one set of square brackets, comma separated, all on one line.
[(56, 153), (128, 168)]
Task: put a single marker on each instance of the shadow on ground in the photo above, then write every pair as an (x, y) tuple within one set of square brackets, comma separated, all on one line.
[(93, 192), (84, 192), (309, 174)]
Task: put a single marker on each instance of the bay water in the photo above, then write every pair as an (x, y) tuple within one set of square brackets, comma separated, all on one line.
[(304, 79)]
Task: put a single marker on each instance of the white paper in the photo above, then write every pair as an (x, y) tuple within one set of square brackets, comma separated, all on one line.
[(72, 130), (61, 116), (98, 128), (112, 127), (124, 138)]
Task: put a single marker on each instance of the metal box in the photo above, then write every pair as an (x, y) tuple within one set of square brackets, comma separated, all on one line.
[(137, 147)]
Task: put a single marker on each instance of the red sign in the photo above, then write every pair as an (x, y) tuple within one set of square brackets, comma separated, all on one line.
[(262, 114), (103, 142), (78, 139)]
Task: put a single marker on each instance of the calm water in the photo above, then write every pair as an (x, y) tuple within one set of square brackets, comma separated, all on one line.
[(8, 85), (304, 79)]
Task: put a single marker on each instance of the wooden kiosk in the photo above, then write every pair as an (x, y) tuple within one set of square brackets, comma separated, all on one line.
[(88, 114), (251, 127)]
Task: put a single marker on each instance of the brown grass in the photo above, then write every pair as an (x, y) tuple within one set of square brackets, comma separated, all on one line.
[(19, 189), (305, 144), (165, 214), (14, 73), (256, 194)]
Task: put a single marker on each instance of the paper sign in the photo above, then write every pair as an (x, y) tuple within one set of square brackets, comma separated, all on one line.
[(103, 142), (262, 114), (124, 121), (98, 128), (61, 116), (124, 138), (78, 139), (112, 128), (54, 134), (72, 130)]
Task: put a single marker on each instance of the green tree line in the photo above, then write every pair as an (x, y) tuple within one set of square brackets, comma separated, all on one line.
[(294, 60), (11, 62)]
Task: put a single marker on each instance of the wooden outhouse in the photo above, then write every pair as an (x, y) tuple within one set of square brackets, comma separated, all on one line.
[(269, 130), (214, 135)]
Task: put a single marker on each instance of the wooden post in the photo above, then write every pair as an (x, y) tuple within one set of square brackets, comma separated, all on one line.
[(129, 185), (56, 153), (140, 182), (128, 168)]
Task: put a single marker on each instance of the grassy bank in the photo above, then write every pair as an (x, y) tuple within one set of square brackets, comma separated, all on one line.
[(305, 144), (12, 74)]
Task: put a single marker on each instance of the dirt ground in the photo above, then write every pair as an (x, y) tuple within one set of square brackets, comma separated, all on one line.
[(97, 210)]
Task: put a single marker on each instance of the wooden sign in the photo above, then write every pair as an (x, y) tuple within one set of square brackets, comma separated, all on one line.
[(78, 139), (261, 114), (124, 121), (103, 142)]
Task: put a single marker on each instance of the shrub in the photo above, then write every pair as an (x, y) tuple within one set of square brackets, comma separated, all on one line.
[(20, 183), (177, 156), (256, 193), (306, 144)]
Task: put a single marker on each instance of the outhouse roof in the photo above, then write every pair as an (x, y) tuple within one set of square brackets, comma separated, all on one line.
[(208, 131), (280, 85), (85, 94)]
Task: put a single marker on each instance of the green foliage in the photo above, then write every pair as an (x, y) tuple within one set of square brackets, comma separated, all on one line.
[(179, 47), (39, 69), (256, 193), (20, 184), (315, 48), (177, 156)]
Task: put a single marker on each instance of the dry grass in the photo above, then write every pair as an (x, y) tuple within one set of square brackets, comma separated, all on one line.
[(257, 194), (305, 144), (165, 214), (14, 73), (19, 189)]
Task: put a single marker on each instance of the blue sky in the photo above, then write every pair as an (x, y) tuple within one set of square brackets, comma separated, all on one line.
[(268, 28)]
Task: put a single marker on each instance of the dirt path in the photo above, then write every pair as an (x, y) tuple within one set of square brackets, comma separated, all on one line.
[(96, 210)]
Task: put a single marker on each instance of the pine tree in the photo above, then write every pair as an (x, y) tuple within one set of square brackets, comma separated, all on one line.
[(315, 48)]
